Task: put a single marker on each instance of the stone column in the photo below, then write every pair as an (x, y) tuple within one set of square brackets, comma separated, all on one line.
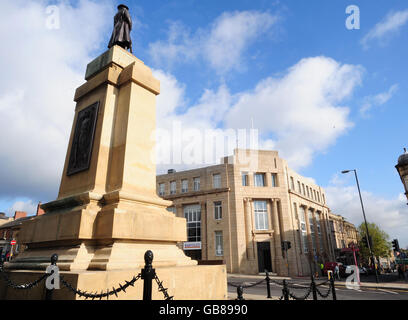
[(324, 235), (248, 228), (277, 256)]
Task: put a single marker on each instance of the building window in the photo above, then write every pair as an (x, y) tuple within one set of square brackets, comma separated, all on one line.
[(219, 245), (303, 229), (218, 210), (161, 189), (303, 187), (245, 181), (312, 230), (261, 215), (192, 213), (307, 190), (259, 179), (184, 186), (319, 231), (197, 184), (173, 187), (314, 195), (171, 209), (324, 201), (292, 183), (274, 180), (216, 180), (299, 189), (318, 196)]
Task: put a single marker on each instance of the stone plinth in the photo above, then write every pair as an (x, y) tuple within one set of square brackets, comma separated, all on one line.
[(107, 213)]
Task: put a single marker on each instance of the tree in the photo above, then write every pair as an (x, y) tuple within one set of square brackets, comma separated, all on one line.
[(381, 246)]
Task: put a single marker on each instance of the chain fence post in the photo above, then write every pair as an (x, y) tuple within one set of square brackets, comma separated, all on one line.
[(148, 274), (240, 292), (49, 292), (333, 288), (314, 289), (285, 290), (268, 285)]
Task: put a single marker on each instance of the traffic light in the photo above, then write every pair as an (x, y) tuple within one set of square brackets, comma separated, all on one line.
[(286, 245), (395, 245), (365, 242)]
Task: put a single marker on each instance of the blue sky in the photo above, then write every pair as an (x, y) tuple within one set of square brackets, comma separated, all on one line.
[(221, 63)]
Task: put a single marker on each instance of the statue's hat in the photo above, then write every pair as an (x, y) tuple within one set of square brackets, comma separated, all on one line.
[(123, 6)]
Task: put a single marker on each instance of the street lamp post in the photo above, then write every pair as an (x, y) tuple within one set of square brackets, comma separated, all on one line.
[(402, 168), (365, 221)]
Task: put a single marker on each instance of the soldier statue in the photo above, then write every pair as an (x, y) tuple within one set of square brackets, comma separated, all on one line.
[(122, 25)]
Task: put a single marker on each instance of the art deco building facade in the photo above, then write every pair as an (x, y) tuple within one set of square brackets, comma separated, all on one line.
[(240, 211)]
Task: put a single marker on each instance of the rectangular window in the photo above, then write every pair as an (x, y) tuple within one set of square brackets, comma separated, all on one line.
[(173, 187), (303, 229), (303, 187), (161, 189), (299, 189), (171, 209), (319, 231), (219, 245), (292, 183), (259, 179), (314, 195), (216, 180), (312, 230), (197, 184), (192, 213), (261, 215), (245, 181), (218, 210), (184, 186), (274, 180), (318, 196)]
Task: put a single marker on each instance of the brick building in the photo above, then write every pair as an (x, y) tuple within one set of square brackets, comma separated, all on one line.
[(241, 210)]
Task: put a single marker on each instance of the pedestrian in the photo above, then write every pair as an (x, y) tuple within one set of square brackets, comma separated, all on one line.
[(401, 274), (337, 272)]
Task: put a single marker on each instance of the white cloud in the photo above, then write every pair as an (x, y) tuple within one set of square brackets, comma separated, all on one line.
[(377, 100), (390, 214), (222, 44), (302, 110), (383, 30), (41, 69), (299, 114), (27, 206)]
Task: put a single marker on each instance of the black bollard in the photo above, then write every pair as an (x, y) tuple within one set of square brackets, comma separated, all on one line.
[(268, 285), (148, 274), (333, 288), (240, 292), (314, 289), (49, 293), (285, 290)]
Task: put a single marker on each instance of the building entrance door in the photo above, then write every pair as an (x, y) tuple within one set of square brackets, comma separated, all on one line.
[(264, 256)]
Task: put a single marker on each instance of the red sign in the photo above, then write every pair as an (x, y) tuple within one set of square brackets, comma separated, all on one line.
[(13, 242)]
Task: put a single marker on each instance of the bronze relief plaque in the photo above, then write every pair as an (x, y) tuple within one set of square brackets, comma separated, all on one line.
[(82, 143)]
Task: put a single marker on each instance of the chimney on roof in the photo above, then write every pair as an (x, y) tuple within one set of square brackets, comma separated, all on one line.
[(40, 211), (20, 214)]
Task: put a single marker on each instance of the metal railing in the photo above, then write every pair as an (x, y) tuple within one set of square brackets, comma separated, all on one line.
[(147, 274), (288, 289)]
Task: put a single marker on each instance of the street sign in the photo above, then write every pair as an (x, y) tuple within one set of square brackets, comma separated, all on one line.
[(13, 242)]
